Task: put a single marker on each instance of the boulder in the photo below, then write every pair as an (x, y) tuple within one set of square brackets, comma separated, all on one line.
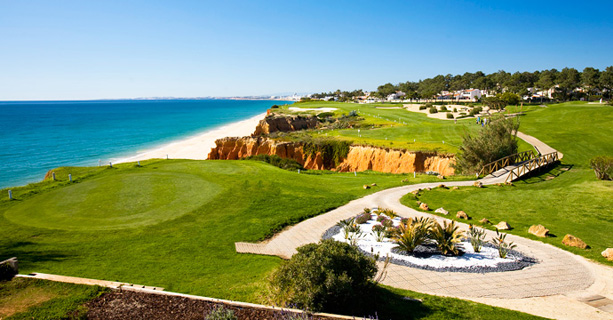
[(478, 184), (461, 215), (608, 253), (538, 230), (485, 221), (455, 188), (441, 186), (440, 176), (428, 189), (572, 241), (366, 186), (508, 183), (424, 206), (374, 184), (415, 192), (8, 269), (502, 225), (441, 210)]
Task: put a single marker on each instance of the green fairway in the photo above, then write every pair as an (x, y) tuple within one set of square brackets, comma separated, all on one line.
[(170, 223), (568, 199), (398, 128)]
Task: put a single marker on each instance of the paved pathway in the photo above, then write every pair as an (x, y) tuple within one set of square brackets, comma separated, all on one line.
[(558, 272)]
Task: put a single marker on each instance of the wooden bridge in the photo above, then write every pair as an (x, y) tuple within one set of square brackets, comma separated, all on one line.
[(519, 164)]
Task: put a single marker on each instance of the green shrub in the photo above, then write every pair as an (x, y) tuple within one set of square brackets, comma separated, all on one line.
[(446, 237), (332, 151), (444, 109), (455, 109), (329, 276), (362, 218), (433, 110), (411, 234), (220, 313), (325, 115), (449, 115), (423, 107), (496, 140), (429, 105), (603, 167), (477, 238), (275, 160), (274, 106), (502, 245)]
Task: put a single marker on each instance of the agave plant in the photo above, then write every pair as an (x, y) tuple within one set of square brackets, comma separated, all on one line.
[(412, 234), (355, 236), (446, 237), (388, 212), (502, 245), (477, 237), (348, 226), (379, 232)]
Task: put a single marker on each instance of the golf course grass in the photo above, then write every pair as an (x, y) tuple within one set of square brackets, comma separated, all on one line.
[(567, 200)]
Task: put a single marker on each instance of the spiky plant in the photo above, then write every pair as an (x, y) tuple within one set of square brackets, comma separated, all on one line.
[(388, 212), (379, 231), (477, 237), (446, 237), (366, 210), (502, 245), (348, 226), (412, 234)]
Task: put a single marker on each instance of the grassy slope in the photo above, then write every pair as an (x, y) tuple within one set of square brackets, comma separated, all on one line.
[(397, 128), (38, 299), (573, 202), (188, 247)]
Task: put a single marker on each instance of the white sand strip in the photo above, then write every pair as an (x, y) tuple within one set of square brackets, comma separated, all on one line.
[(197, 147)]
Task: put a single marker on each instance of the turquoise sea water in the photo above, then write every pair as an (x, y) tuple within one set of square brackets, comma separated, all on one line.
[(38, 136)]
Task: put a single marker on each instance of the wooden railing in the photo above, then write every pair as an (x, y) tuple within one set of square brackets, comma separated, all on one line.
[(506, 161), (532, 164)]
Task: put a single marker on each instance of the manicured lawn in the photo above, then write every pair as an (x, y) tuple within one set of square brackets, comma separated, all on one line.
[(399, 128), (170, 223), (39, 299), (566, 202)]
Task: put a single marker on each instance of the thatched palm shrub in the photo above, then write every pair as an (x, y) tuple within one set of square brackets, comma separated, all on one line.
[(496, 140), (412, 233), (329, 276), (447, 237)]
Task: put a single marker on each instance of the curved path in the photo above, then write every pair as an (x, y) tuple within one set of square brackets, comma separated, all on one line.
[(558, 271)]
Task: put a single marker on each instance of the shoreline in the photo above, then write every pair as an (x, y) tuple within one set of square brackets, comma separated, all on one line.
[(198, 146)]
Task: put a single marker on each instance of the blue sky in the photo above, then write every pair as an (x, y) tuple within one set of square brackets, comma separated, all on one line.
[(126, 49)]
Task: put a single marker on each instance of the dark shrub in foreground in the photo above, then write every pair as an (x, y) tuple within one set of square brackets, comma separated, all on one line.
[(329, 276)]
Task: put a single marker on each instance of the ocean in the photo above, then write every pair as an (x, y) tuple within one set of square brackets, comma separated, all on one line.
[(36, 136)]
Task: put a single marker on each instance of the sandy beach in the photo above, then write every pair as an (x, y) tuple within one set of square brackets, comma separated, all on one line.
[(197, 147)]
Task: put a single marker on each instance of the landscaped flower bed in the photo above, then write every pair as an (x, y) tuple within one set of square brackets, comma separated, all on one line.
[(383, 235)]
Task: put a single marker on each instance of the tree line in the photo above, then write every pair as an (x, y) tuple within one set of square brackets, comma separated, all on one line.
[(596, 84)]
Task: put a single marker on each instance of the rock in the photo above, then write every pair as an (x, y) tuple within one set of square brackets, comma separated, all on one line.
[(572, 241), (424, 206), (508, 183), (404, 180), (366, 186), (502, 225), (461, 215), (538, 230), (441, 210), (498, 184), (485, 221), (455, 188), (441, 186), (8, 269), (440, 176), (608, 253), (428, 189), (415, 192), (285, 123), (374, 184), (478, 184)]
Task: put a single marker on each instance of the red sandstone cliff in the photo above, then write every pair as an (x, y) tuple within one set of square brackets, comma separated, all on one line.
[(272, 123), (359, 158)]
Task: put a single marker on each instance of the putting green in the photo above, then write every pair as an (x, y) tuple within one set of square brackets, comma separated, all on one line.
[(116, 202)]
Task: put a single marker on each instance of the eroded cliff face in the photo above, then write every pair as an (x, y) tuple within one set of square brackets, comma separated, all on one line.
[(274, 123), (359, 158)]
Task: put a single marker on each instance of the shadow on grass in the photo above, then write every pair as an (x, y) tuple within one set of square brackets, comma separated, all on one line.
[(545, 173), (28, 256)]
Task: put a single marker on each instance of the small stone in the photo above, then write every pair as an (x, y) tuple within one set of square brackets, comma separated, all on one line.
[(502, 225), (441, 186), (608, 253), (424, 206), (440, 176), (428, 189), (366, 186), (572, 241), (461, 215), (415, 192), (455, 188), (508, 183), (405, 180), (499, 184), (478, 184), (441, 210), (485, 221), (538, 230), (374, 184)]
